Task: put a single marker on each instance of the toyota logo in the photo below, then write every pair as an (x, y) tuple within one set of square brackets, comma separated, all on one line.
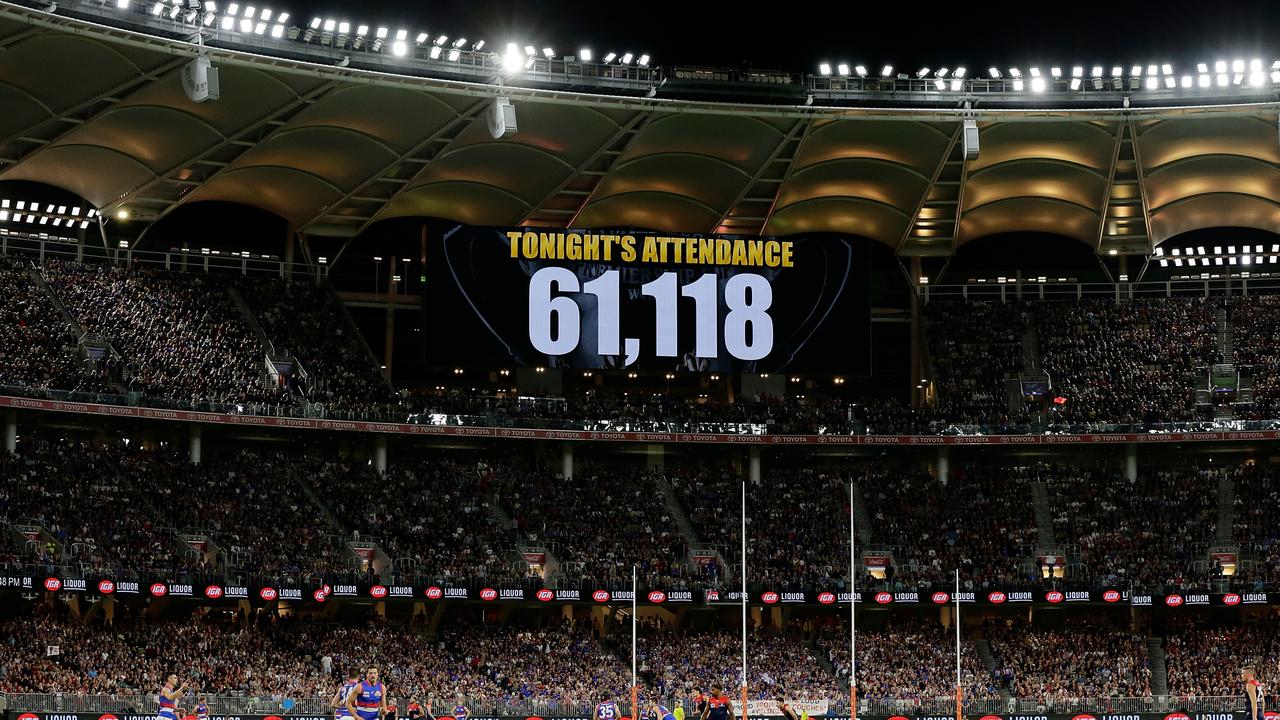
[(1231, 599), (826, 598), (657, 596), (1173, 600), (213, 592), (378, 591), (52, 584), (600, 596), (159, 590), (319, 595), (769, 598), (434, 593), (106, 587), (1053, 596), (546, 595), (488, 594), (1111, 596), (884, 598), (941, 598), (268, 594), (997, 597)]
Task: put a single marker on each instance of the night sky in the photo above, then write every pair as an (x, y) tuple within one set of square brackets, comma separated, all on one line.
[(796, 36)]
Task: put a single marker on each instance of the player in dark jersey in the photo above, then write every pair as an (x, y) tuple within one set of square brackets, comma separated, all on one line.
[(1254, 695), (606, 709), (718, 706), (414, 710)]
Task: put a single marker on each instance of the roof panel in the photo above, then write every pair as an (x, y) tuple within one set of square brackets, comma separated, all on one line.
[(706, 179), (1215, 173), (1040, 215), (649, 210), (520, 169), (158, 137), (1212, 211), (916, 145), (1172, 140), (743, 142), (883, 182), (852, 216), (96, 174), (351, 157), (463, 202), (1034, 178), (247, 95), (291, 193), (1082, 143), (401, 118), (61, 70)]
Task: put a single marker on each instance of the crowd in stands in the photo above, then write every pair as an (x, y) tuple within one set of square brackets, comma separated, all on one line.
[(1255, 322), (1206, 661), (975, 347), (180, 333), (1257, 504), (599, 524), (1144, 532), (1076, 662), (309, 322), (37, 344), (1130, 362), (910, 660), (915, 514)]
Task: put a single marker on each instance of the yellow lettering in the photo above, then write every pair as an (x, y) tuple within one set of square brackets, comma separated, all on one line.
[(530, 243), (513, 236), (739, 253), (628, 248), (786, 254), (650, 253), (755, 253)]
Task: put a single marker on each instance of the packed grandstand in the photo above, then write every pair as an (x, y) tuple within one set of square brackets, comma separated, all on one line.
[(543, 465)]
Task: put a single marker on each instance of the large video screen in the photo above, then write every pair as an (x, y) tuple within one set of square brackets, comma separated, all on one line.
[(496, 297)]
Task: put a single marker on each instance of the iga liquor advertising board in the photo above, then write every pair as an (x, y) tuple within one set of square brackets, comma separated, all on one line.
[(620, 299)]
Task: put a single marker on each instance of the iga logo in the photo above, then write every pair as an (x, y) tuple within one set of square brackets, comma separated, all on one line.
[(991, 717), (320, 596), (600, 596), (1271, 715), (769, 598), (488, 594), (941, 598), (546, 595), (826, 598), (434, 593), (1231, 599), (884, 598), (1111, 596), (1173, 601), (1177, 716), (1053, 596), (657, 596), (997, 597), (899, 717), (268, 594), (108, 716), (159, 590), (52, 584), (28, 716), (213, 592), (378, 591), (1084, 716), (106, 587)]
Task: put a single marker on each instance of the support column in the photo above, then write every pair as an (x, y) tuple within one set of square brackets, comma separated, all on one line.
[(11, 430), (753, 465), (1131, 462), (566, 461), (380, 454), (655, 455), (288, 254), (196, 432), (917, 349), (944, 465)]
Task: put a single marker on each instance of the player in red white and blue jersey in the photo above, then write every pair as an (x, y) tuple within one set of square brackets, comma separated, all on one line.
[(660, 712), (460, 710), (168, 698), (202, 708), (368, 699), (339, 703), (606, 710)]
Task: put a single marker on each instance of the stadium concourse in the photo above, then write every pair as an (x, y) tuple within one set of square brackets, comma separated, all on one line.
[(534, 381)]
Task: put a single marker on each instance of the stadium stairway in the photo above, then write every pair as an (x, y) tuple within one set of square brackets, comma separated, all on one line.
[(1226, 510), (1045, 536), (1159, 670), (275, 357), (989, 662), (89, 345), (550, 563)]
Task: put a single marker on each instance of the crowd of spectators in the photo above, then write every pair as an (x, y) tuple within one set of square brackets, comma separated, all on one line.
[(600, 523), (1126, 362), (1257, 504), (989, 542), (181, 335), (912, 660), (1077, 662), (1142, 533), (1206, 661), (1255, 324), (37, 344), (975, 347), (309, 322)]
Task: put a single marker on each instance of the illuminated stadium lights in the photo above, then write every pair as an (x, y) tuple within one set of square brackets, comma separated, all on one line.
[(1097, 71), (1117, 71), (1075, 83), (1153, 82), (1204, 81), (861, 70), (843, 69), (940, 84), (1037, 84), (422, 38), (994, 73), (1055, 72), (1017, 85), (1015, 72), (381, 33), (1220, 66), (626, 58), (344, 27), (512, 60), (643, 60), (1035, 72), (122, 4), (399, 48), (607, 58), (922, 72), (530, 50), (956, 84), (1151, 69), (942, 72), (960, 72), (435, 52), (1257, 78), (402, 35), (459, 42), (584, 54), (454, 54), (1166, 69), (330, 25), (1237, 66), (886, 71), (442, 40), (1187, 81)]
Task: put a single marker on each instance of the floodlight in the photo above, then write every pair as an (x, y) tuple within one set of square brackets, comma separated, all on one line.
[(960, 72), (402, 35), (1055, 72), (361, 30), (886, 71), (1075, 83), (422, 37), (250, 11), (229, 23), (607, 58), (1186, 81), (861, 70), (643, 60), (1135, 71), (1035, 72), (1153, 82), (994, 73), (626, 58), (824, 69), (330, 25), (344, 27), (1117, 71), (435, 52), (381, 33), (246, 25), (956, 84), (1237, 66), (1166, 69), (1015, 72), (398, 48), (584, 54), (1151, 69), (1017, 85), (1223, 80), (460, 42), (277, 31), (454, 54), (1257, 78), (1203, 81), (265, 14), (1037, 84), (922, 72), (512, 60), (122, 4), (942, 72), (843, 69), (548, 53), (442, 39), (530, 50)]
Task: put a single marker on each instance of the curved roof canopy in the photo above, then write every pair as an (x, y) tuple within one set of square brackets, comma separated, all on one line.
[(100, 111)]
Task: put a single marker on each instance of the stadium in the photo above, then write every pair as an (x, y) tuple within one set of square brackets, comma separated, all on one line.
[(358, 371)]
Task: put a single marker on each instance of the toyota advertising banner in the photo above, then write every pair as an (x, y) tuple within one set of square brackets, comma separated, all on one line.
[(19, 714)]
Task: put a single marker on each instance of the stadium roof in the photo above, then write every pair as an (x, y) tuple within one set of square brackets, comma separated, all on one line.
[(100, 111)]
